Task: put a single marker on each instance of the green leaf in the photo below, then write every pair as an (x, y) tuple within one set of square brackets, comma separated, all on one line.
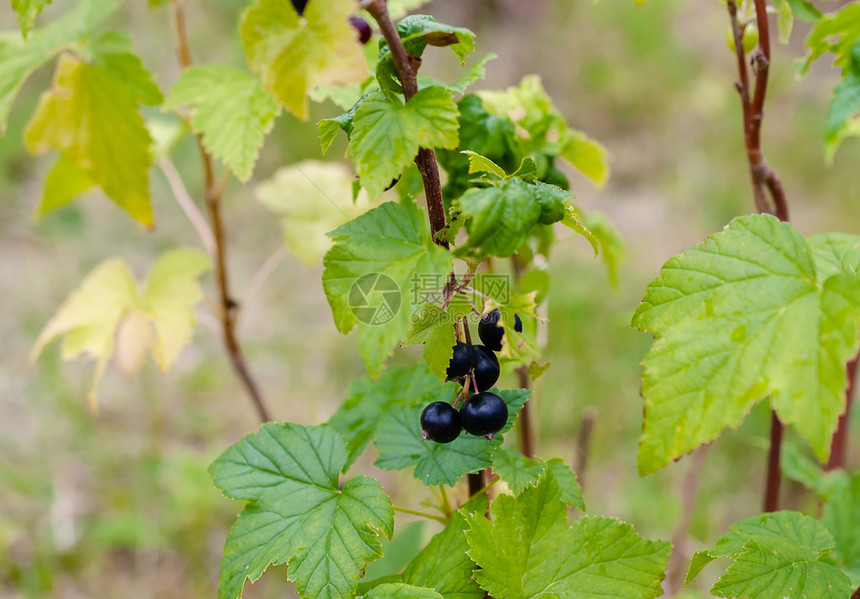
[(736, 318), (516, 470), (841, 516), (392, 240), (482, 164), (565, 477), (91, 117), (399, 443), (20, 58), (386, 134), (313, 198), (836, 33), (296, 514), (475, 73), (230, 110), (170, 293), (785, 22), (432, 328), (401, 591), (368, 400), (774, 554), (443, 564), (294, 54), (799, 467), (528, 550), (835, 253), (27, 11), (804, 11), (843, 110), (63, 184), (586, 154), (499, 218)]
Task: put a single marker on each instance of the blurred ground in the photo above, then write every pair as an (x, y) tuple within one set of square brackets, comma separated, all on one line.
[(120, 505)]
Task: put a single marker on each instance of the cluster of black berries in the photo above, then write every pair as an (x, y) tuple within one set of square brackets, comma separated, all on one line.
[(483, 414)]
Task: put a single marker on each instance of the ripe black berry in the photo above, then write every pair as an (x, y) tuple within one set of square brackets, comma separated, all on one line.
[(518, 324), (299, 5), (440, 422), (486, 367), (462, 362), (490, 332), (362, 28), (484, 414)]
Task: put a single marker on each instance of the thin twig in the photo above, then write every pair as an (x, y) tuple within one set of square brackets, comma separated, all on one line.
[(583, 443), (214, 190), (524, 421), (186, 202), (407, 69), (774, 476), (422, 514)]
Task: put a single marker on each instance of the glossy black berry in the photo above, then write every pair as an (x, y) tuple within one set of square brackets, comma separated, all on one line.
[(490, 332), (484, 414), (440, 422), (362, 28), (486, 367), (462, 362), (299, 5), (518, 324)]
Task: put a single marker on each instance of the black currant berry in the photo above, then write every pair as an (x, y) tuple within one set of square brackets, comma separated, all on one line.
[(462, 362), (486, 367), (518, 324), (362, 28), (299, 5), (440, 422), (490, 332), (484, 414)]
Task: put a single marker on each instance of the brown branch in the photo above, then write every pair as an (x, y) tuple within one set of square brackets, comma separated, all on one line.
[(839, 445), (407, 69), (214, 191), (524, 421), (583, 443), (774, 477)]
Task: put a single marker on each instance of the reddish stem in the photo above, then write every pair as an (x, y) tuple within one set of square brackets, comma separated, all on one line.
[(839, 445)]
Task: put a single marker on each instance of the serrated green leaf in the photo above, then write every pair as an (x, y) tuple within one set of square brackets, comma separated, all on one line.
[(841, 516), (230, 110), (835, 253), (63, 183), (400, 446), (516, 470), (294, 54), (433, 328), (565, 477), (797, 466), (92, 119), (499, 218), (843, 110), (19, 58), (170, 292), (482, 164), (804, 11), (736, 318), (396, 555), (296, 514), (443, 564), (386, 134), (475, 73), (27, 11), (586, 154), (401, 591), (113, 52), (528, 550), (313, 197), (392, 240), (836, 33), (368, 400)]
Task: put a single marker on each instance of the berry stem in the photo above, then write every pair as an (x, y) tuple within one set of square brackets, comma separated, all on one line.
[(839, 445), (405, 510), (407, 69), (466, 331), (214, 191), (446, 504)]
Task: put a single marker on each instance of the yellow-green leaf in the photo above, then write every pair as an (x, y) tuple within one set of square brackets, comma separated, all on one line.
[(293, 54), (91, 117)]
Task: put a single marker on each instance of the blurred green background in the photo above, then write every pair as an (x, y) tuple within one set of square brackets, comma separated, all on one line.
[(119, 504)]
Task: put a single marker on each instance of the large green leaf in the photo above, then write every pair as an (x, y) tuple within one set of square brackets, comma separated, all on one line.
[(520, 473), (400, 446), (444, 564), (294, 54), (386, 133), (19, 57), (528, 550), (296, 512), (368, 400), (776, 555), (91, 117), (736, 318), (392, 240), (230, 110)]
